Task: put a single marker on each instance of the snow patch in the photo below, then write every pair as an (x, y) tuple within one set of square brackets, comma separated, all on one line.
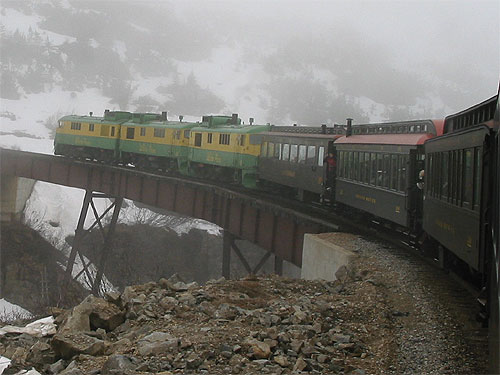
[(10, 311), (13, 20), (4, 363), (185, 228), (121, 49)]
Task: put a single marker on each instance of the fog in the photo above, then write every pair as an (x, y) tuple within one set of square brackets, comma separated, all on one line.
[(309, 62)]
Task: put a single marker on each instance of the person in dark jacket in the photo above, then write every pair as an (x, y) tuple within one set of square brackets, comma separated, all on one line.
[(331, 169)]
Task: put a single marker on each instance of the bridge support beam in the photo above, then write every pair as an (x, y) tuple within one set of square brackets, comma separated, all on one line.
[(229, 245), (94, 278)]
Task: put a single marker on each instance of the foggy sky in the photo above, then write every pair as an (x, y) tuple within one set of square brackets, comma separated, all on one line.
[(416, 58), (454, 42)]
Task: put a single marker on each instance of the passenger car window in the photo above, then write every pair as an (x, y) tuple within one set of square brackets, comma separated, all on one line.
[(263, 149), (311, 154), (477, 178), (321, 155), (394, 172), (286, 152), (373, 168), (402, 175), (270, 150), (355, 166), (277, 151), (293, 153), (302, 154), (341, 163), (386, 170), (468, 177)]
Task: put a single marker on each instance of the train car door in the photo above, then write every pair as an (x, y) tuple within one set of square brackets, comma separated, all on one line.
[(414, 194), (329, 171)]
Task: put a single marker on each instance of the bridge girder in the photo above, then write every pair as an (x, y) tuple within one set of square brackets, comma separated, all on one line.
[(276, 229)]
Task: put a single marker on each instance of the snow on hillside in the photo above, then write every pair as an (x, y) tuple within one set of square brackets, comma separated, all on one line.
[(34, 112), (9, 311), (13, 20), (231, 78)]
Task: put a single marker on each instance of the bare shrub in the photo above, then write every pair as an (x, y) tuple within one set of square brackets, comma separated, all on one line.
[(146, 216), (52, 122)]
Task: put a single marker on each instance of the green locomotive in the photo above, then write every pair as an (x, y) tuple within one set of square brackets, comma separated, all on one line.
[(90, 137), (218, 146), (222, 146)]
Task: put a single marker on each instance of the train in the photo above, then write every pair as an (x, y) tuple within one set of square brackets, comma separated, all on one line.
[(437, 180)]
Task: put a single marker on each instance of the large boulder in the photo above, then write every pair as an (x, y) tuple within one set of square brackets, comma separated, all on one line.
[(118, 364), (91, 314), (67, 345), (157, 343)]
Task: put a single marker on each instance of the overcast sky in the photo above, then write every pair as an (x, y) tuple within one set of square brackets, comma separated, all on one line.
[(455, 41)]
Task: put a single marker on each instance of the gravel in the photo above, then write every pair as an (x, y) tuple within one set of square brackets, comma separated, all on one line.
[(434, 331)]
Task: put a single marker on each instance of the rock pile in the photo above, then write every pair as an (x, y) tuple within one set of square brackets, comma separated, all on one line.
[(259, 325)]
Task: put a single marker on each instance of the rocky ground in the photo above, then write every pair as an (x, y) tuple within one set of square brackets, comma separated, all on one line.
[(377, 318)]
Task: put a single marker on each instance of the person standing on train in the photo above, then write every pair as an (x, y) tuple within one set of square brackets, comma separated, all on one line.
[(331, 169)]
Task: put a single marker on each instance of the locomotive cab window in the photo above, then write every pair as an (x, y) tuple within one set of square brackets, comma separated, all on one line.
[(112, 131), (197, 139), (91, 127), (255, 139), (159, 133), (241, 140), (130, 133), (186, 133), (104, 130), (224, 139), (209, 137), (143, 132)]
